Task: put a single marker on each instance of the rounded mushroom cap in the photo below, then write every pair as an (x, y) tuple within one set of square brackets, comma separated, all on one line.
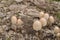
[(19, 22), (56, 29), (46, 16), (43, 21), (58, 34), (13, 20), (51, 19), (37, 25), (41, 14)]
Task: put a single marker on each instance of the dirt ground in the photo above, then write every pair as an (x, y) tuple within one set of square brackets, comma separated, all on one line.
[(27, 11)]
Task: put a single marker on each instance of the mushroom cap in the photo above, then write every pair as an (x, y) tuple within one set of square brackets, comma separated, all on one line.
[(41, 14), (13, 20), (37, 25), (51, 19), (58, 34), (46, 16), (19, 22), (56, 29), (43, 21)]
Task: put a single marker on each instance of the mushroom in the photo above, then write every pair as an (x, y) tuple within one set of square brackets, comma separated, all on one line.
[(19, 22), (13, 20), (46, 16), (56, 29), (51, 19), (41, 14), (58, 34), (37, 25), (43, 21)]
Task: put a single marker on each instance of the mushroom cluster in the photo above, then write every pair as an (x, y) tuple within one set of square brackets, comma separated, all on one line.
[(44, 20), (15, 21), (57, 31)]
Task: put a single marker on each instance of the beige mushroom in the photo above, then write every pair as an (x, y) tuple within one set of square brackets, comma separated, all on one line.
[(58, 34), (13, 19), (37, 25), (56, 29), (41, 14), (19, 22), (46, 16), (51, 19), (43, 21)]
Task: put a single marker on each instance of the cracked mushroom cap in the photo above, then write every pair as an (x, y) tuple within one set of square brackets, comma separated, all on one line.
[(43, 21), (37, 25)]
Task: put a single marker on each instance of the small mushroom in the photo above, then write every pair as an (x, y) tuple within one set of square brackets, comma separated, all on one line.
[(51, 19), (37, 25), (58, 34), (46, 16), (13, 20), (56, 29), (19, 22), (41, 14), (43, 21)]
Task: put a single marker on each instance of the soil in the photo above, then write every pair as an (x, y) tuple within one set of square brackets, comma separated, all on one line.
[(27, 11)]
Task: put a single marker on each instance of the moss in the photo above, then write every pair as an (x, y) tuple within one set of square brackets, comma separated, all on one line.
[(58, 15), (56, 0), (8, 39)]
